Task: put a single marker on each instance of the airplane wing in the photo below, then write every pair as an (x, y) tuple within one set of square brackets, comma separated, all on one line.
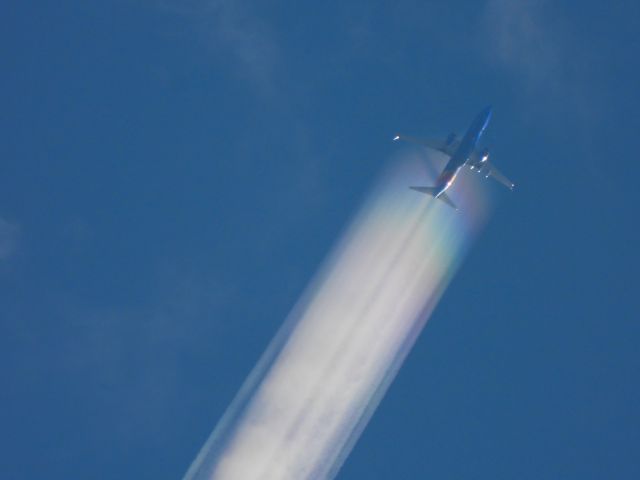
[(488, 169), (438, 145), (492, 171)]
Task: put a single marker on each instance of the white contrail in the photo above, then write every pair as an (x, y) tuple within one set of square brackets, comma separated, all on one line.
[(306, 402)]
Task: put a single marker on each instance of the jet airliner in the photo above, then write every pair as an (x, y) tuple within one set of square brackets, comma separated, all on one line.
[(461, 152)]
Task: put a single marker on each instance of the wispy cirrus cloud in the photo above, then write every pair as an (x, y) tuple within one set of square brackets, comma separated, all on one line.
[(244, 42), (130, 359), (533, 41), (9, 234), (521, 39), (232, 28)]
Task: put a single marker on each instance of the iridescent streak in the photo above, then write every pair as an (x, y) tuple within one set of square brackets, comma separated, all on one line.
[(307, 401)]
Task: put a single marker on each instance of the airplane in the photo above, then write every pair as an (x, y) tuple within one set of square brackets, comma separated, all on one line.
[(461, 152)]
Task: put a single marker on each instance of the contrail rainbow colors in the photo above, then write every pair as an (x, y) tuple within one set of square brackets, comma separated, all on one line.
[(305, 404)]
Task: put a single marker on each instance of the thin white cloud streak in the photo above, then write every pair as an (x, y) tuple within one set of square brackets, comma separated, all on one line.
[(521, 38), (309, 398), (232, 29), (526, 39), (534, 42), (9, 234)]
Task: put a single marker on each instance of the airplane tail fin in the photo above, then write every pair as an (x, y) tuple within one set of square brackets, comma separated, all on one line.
[(433, 191)]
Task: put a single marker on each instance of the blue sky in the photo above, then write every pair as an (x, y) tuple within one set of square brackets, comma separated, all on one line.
[(173, 173)]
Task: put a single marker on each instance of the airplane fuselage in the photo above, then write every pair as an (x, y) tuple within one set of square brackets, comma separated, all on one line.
[(466, 147)]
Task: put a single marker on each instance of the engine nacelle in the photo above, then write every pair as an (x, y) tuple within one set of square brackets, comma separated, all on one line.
[(484, 156), (480, 160)]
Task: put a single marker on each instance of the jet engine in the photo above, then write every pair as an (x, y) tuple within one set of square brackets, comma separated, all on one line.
[(481, 161)]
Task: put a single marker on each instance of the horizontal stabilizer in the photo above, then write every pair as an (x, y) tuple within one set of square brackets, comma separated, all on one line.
[(439, 145), (433, 191)]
